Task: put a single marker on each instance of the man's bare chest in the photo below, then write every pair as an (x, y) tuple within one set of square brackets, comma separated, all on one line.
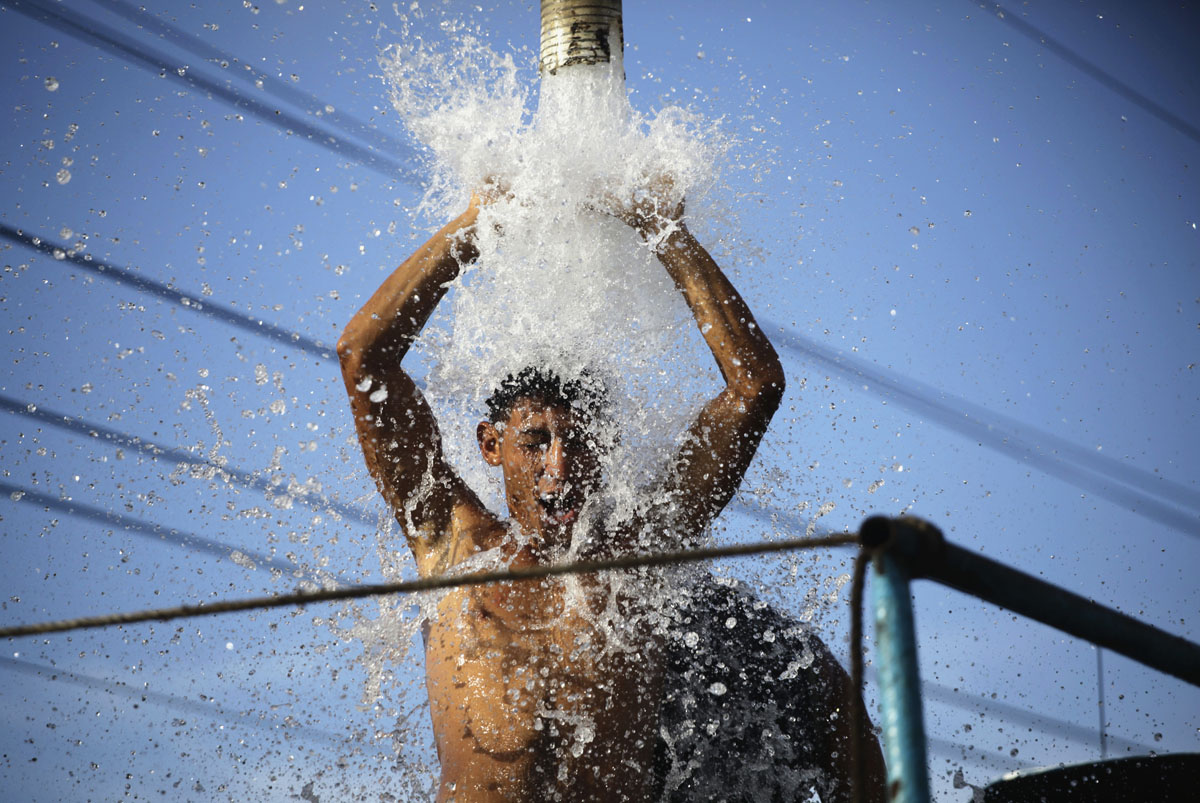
[(549, 679)]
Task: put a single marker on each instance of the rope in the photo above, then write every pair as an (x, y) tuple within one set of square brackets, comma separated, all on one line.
[(429, 584)]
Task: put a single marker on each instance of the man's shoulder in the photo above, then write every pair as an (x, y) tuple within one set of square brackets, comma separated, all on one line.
[(472, 529)]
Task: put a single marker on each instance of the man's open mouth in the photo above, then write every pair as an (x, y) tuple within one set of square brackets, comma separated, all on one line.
[(559, 508)]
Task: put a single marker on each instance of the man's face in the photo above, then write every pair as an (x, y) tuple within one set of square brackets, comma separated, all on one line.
[(550, 462)]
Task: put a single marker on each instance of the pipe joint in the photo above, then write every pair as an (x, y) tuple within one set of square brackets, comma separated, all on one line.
[(913, 542)]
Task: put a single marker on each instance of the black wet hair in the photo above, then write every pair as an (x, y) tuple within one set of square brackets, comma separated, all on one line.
[(585, 392)]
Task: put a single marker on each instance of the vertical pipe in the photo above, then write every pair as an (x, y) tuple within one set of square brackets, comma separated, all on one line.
[(580, 32), (1100, 701), (899, 681)]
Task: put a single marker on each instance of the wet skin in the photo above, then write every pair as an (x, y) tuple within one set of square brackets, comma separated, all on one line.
[(521, 676), (529, 697), (551, 466)]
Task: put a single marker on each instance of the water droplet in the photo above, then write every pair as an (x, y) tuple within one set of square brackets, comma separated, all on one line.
[(717, 689), (51, 84)]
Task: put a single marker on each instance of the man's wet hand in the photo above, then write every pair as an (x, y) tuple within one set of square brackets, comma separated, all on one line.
[(654, 211), (492, 189)]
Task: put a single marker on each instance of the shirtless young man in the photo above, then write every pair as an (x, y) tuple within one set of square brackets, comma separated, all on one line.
[(528, 702)]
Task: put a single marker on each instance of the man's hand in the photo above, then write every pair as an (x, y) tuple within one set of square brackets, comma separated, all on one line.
[(653, 211), (491, 190)]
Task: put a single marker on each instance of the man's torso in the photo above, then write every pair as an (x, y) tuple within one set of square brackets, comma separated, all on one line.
[(531, 694)]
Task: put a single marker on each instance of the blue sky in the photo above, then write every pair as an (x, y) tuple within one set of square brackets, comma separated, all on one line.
[(1001, 219)]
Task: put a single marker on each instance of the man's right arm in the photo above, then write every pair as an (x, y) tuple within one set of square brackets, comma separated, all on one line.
[(396, 427)]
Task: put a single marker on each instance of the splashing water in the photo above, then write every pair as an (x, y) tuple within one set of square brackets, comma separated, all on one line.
[(559, 283)]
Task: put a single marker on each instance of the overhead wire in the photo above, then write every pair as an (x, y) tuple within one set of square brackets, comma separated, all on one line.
[(107, 270), (1089, 68), (172, 536), (1124, 484), (174, 701), (313, 500), (120, 45), (260, 79)]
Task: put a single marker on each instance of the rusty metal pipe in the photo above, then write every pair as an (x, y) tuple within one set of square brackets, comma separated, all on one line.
[(580, 32)]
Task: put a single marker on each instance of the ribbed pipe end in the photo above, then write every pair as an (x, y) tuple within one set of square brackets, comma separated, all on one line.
[(580, 32)]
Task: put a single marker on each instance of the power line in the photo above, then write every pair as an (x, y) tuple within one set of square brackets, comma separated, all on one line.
[(107, 270), (160, 533), (659, 559), (1125, 485), (316, 501), (1101, 76), (211, 710), (957, 698), (123, 47), (261, 80)]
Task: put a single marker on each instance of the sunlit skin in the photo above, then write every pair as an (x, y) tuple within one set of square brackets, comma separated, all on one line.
[(529, 698), (550, 468)]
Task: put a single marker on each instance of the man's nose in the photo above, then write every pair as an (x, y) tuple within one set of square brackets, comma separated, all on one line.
[(556, 459)]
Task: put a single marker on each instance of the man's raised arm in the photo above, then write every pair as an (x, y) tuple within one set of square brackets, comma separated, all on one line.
[(725, 435), (396, 427)]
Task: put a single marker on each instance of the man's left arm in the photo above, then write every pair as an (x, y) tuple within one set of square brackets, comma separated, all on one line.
[(723, 439)]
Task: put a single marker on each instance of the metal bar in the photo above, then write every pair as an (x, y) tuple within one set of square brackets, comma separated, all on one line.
[(905, 549), (1028, 596), (1100, 702), (927, 555), (899, 680)]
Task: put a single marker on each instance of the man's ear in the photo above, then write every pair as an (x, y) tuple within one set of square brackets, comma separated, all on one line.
[(489, 442)]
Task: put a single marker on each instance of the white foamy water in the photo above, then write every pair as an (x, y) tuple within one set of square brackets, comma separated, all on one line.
[(558, 282)]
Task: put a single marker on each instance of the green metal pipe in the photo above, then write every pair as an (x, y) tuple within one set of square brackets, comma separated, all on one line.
[(902, 717)]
